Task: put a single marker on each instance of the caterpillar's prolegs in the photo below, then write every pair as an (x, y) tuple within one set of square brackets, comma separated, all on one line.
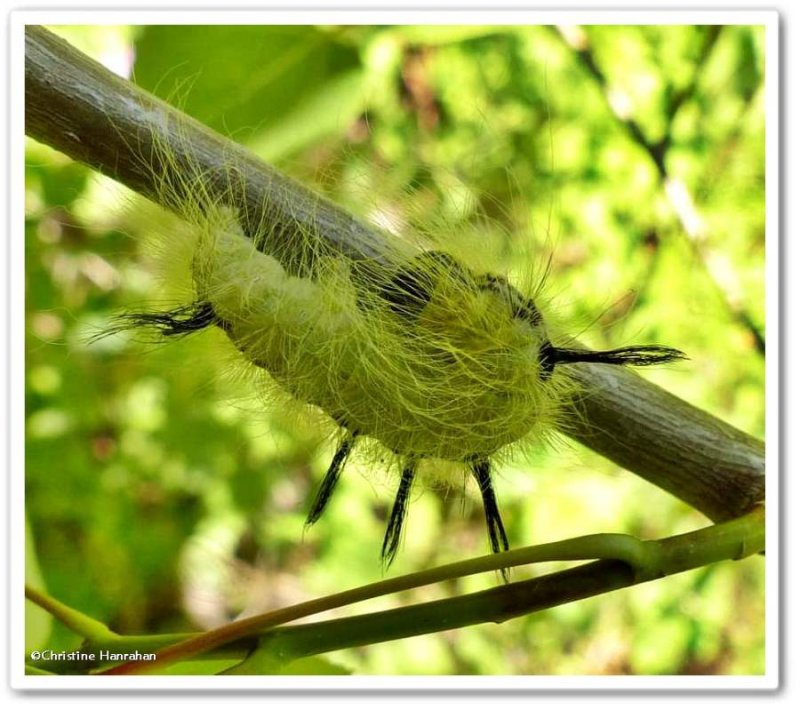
[(481, 471), (497, 534)]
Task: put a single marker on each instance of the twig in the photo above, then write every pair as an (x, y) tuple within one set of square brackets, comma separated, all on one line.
[(625, 561)]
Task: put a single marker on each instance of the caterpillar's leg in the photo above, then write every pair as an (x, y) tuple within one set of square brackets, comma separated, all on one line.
[(481, 470), (331, 478), (392, 538)]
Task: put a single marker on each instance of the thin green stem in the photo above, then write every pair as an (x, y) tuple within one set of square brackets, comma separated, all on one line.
[(33, 670), (733, 540), (600, 546), (83, 625), (641, 561)]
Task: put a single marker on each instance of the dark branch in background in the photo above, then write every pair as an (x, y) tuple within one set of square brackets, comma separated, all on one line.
[(680, 96), (78, 107), (584, 53), (657, 150)]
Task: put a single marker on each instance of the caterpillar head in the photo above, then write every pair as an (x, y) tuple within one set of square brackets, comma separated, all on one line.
[(485, 311)]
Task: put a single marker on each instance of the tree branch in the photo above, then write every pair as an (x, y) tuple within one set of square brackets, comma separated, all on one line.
[(76, 106)]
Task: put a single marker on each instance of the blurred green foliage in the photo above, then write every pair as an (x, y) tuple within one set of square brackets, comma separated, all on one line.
[(161, 495)]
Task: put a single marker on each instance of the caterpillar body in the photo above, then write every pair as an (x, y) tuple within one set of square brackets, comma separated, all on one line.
[(425, 355)]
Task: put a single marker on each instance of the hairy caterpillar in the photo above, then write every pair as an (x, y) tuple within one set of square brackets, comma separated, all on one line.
[(433, 359)]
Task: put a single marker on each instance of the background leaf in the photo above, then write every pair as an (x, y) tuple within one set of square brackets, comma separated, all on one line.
[(284, 86)]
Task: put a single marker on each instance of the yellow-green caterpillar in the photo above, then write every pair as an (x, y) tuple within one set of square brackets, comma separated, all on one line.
[(432, 359)]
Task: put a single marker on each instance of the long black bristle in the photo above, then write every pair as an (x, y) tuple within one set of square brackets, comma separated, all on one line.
[(179, 321), (331, 479), (637, 355), (394, 528)]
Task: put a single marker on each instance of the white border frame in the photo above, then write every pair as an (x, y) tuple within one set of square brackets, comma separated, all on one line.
[(19, 680)]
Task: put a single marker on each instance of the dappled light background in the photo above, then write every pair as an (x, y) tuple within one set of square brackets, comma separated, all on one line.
[(628, 161)]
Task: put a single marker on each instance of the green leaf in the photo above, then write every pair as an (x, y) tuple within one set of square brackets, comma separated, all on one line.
[(267, 660), (314, 665), (320, 114), (213, 666), (267, 664), (286, 86)]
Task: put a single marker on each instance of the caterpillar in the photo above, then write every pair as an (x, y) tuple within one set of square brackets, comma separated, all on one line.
[(429, 358)]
